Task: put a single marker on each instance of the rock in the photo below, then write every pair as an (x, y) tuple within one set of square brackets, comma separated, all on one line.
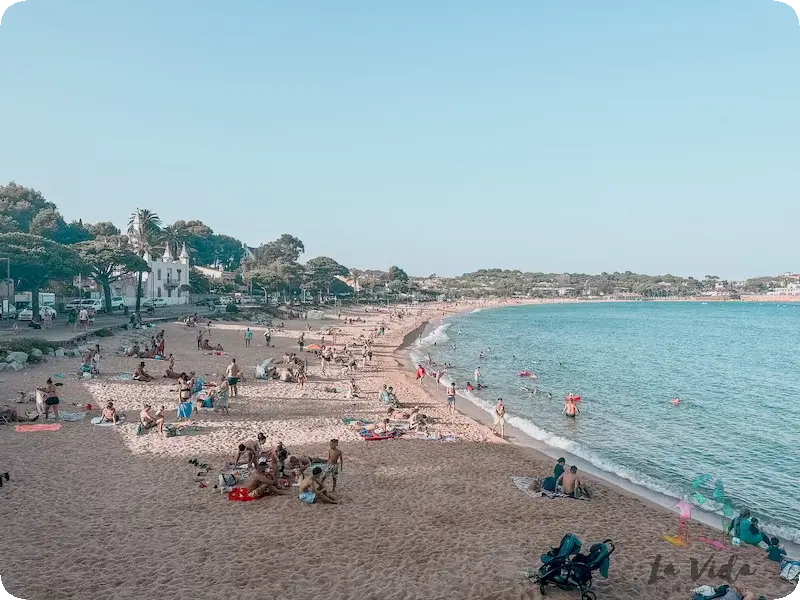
[(3, 366), (17, 357), (36, 353), (51, 352), (16, 366), (59, 353)]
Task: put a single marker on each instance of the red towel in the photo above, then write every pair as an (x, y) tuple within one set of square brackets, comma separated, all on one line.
[(239, 495)]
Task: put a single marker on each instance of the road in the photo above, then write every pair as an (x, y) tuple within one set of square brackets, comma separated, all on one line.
[(60, 331)]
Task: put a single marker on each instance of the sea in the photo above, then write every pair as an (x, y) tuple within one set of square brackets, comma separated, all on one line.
[(734, 366)]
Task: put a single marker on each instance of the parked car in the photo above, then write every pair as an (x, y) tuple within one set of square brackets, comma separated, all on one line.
[(11, 313), (117, 303), (27, 313), (94, 304), (155, 302), (74, 304)]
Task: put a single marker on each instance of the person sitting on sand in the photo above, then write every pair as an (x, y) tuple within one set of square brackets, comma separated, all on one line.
[(135, 351), (733, 526), (559, 468), (109, 414), (776, 552), (262, 484), (352, 389), (206, 345), (219, 399), (149, 421), (141, 374), (569, 482), (416, 420), (311, 489)]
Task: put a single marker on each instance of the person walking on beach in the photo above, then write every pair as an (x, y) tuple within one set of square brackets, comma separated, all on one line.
[(232, 373), (267, 338), (451, 399), (200, 339), (420, 374), (248, 335), (500, 418)]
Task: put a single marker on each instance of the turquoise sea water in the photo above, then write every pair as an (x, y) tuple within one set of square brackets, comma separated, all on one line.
[(735, 367)]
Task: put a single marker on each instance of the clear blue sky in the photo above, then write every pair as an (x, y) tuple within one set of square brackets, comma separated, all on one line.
[(441, 136)]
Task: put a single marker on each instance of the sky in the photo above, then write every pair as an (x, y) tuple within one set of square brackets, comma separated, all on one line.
[(443, 137)]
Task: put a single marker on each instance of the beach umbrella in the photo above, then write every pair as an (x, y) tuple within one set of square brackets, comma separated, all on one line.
[(313, 347)]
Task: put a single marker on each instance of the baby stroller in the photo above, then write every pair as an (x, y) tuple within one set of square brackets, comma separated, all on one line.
[(566, 568)]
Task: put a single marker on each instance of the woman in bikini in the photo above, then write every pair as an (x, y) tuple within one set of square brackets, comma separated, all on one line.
[(50, 399)]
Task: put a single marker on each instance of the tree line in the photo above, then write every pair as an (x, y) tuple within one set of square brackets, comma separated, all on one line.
[(43, 249)]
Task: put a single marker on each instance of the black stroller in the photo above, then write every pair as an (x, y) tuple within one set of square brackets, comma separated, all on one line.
[(565, 567)]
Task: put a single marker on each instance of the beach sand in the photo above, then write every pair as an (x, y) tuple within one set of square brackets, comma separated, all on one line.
[(99, 512)]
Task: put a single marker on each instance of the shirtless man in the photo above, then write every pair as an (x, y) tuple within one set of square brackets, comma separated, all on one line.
[(232, 373), (570, 408), (262, 484), (335, 463), (569, 481), (149, 421), (200, 339), (252, 448), (141, 374), (311, 489)]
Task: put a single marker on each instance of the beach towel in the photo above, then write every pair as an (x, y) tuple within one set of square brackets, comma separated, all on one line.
[(67, 416), (524, 483), (99, 421), (432, 437), (351, 421), (123, 377), (185, 410), (40, 427), (239, 495), (713, 543), (369, 436), (674, 540)]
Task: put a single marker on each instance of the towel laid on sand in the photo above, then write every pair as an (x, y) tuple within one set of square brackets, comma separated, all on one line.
[(40, 427), (352, 421), (99, 421), (67, 416), (432, 437), (523, 483), (123, 377)]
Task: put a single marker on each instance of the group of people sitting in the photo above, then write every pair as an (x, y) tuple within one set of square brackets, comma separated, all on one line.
[(745, 528), (563, 480), (276, 470), (90, 362), (156, 347)]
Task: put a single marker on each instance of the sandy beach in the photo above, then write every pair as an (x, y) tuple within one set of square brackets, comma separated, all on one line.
[(101, 512)]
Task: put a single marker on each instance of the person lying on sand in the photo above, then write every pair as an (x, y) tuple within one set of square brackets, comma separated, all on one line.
[(251, 449), (262, 484), (141, 374), (149, 421), (109, 414), (135, 351), (312, 490), (569, 482)]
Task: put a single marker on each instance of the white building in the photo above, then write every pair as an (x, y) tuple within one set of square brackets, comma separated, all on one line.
[(165, 279)]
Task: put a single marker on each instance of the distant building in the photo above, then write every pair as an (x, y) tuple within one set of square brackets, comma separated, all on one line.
[(217, 275)]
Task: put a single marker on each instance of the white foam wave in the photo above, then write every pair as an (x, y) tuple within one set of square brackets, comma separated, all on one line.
[(437, 336), (477, 310)]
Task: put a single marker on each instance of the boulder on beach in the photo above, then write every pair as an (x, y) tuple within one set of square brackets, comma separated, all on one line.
[(36, 353), (59, 352), (16, 366), (17, 357), (3, 366), (51, 352)]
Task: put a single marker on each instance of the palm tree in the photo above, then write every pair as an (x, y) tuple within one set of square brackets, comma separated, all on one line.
[(174, 237), (144, 227)]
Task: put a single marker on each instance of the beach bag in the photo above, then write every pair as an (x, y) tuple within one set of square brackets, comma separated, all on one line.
[(227, 480), (170, 431), (790, 571), (140, 429)]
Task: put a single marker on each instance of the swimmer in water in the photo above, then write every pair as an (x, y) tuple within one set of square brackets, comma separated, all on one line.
[(570, 408), (676, 401)]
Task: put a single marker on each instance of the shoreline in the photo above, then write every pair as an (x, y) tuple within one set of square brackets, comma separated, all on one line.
[(418, 520), (540, 450)]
